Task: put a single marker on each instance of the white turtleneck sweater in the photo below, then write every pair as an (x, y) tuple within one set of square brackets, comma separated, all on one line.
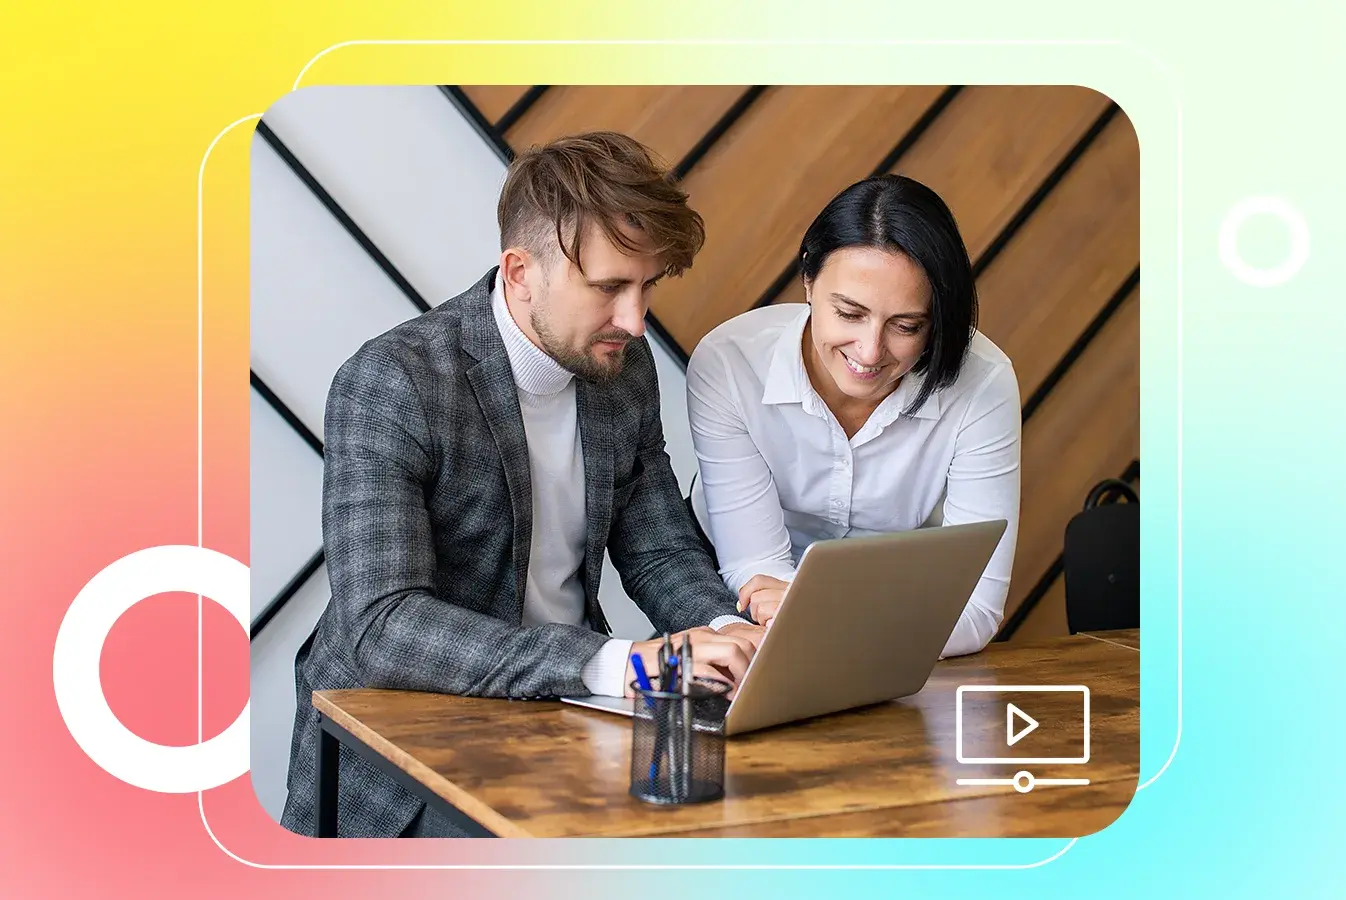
[(555, 587)]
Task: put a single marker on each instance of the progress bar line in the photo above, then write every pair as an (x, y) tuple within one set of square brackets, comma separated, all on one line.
[(1009, 782)]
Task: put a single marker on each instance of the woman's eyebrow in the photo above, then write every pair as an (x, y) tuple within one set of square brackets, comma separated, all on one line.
[(844, 299), (862, 308)]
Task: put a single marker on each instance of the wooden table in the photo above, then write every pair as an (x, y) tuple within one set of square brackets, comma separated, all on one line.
[(547, 769)]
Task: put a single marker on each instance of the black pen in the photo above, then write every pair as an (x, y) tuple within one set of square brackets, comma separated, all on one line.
[(661, 723), (675, 761), (685, 661)]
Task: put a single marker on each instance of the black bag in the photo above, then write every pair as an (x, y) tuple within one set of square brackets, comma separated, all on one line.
[(1102, 560)]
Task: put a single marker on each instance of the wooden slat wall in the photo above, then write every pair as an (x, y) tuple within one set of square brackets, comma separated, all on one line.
[(987, 152), (1068, 260), (494, 100), (762, 184), (1048, 618), (668, 120), (1008, 140), (1088, 429)]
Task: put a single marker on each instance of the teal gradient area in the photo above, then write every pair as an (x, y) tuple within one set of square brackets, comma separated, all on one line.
[(1242, 451)]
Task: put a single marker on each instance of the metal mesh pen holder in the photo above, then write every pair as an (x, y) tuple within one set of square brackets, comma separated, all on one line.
[(677, 743)]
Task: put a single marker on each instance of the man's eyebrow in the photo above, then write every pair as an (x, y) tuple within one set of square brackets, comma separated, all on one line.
[(618, 281)]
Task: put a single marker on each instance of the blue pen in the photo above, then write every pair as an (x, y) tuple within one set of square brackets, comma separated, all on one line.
[(643, 679)]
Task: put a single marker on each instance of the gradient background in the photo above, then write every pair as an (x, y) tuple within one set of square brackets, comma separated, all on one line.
[(107, 114)]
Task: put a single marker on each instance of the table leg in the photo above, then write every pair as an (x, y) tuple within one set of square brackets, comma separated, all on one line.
[(327, 780)]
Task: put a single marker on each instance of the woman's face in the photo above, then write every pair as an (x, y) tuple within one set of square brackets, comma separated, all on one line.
[(870, 321)]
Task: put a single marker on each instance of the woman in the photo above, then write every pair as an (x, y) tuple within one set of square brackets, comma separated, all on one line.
[(877, 407)]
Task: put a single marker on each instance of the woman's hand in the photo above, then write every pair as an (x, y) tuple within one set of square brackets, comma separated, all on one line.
[(761, 598)]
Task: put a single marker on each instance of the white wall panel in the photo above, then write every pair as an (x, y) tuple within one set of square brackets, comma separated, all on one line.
[(286, 497), (409, 169), (316, 295)]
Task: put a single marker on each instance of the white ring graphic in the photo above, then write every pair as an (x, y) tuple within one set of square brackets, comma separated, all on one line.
[(79, 689), (1234, 220)]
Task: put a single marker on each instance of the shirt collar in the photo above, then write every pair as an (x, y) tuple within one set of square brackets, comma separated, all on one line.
[(788, 382), (534, 370)]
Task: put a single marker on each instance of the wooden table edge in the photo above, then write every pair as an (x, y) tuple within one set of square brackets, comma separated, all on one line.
[(1116, 638), (502, 826), (770, 820), (442, 787)]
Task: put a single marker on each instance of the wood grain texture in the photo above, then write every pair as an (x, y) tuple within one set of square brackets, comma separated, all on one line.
[(547, 769), (494, 100), (1086, 430), (1061, 811), (990, 150), (1128, 637), (668, 120), (1068, 260), (765, 181), (1048, 618)]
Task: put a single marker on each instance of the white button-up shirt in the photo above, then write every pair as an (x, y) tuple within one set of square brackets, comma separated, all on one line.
[(777, 471)]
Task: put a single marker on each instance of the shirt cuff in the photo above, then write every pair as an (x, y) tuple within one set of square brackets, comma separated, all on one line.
[(773, 568), (605, 672), (720, 621)]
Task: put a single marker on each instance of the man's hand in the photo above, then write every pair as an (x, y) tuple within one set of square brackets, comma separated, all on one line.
[(745, 630), (761, 598), (715, 654)]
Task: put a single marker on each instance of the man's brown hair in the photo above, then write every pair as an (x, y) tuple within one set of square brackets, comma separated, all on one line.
[(603, 178)]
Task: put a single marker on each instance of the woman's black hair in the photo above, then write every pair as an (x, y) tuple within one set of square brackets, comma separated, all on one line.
[(893, 212)]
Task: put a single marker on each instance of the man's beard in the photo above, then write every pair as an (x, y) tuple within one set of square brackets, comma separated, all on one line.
[(581, 362)]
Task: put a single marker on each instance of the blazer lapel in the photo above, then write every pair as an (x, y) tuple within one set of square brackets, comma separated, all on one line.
[(493, 382), (595, 423)]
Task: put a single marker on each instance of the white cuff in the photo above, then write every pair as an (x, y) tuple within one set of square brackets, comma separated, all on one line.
[(720, 621), (605, 672)]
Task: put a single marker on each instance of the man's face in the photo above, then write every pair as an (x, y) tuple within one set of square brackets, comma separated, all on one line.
[(584, 320)]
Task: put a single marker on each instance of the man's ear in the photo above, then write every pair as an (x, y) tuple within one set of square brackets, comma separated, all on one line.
[(514, 263)]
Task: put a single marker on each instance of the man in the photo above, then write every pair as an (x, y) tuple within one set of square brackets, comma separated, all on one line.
[(481, 457)]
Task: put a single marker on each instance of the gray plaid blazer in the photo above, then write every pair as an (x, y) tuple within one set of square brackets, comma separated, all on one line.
[(427, 510)]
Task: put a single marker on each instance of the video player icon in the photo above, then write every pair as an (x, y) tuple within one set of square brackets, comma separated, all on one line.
[(975, 748)]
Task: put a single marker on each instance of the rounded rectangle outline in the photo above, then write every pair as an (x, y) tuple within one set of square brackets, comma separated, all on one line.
[(1030, 688), (1147, 54)]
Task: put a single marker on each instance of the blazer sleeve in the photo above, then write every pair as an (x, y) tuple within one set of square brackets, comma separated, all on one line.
[(654, 546), (380, 460)]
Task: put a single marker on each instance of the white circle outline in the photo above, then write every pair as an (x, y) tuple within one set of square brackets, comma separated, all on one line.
[(1233, 222), (79, 689), (1024, 781)]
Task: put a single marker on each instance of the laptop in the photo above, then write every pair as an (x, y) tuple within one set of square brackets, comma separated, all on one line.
[(863, 622)]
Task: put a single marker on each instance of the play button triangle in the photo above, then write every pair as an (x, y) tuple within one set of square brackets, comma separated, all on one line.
[(1013, 712)]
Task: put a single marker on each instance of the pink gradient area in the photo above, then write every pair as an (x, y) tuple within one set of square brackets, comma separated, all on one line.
[(149, 670), (240, 824)]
